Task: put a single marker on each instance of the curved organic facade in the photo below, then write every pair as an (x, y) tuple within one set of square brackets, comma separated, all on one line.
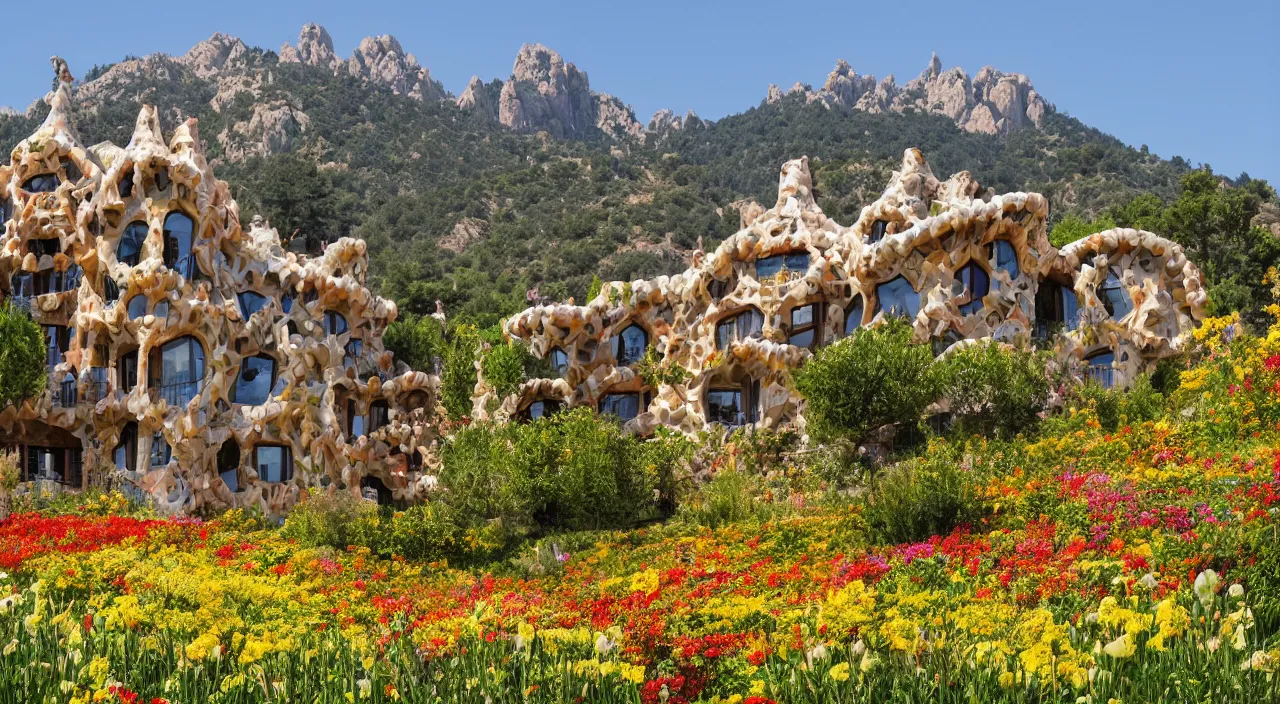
[(959, 263), (204, 363)]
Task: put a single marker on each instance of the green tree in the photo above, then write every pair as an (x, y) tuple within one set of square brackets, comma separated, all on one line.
[(873, 378), (416, 340), (996, 390), (1073, 227), (299, 200), (22, 356)]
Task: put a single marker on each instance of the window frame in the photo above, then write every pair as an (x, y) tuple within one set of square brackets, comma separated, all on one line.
[(814, 325), (244, 366), (286, 461), (613, 397), (622, 354), (968, 275), (907, 313)]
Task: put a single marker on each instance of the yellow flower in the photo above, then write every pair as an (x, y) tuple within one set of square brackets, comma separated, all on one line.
[(757, 687), (840, 673), (632, 673)]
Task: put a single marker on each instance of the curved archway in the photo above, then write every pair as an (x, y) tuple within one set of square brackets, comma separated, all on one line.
[(897, 297), (629, 345), (977, 284), (1114, 296), (229, 464)]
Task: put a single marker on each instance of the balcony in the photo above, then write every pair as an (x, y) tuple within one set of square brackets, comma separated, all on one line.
[(1104, 376)]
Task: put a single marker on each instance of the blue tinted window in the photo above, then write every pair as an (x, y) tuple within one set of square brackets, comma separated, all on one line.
[(253, 386), (853, 319), (160, 310), (976, 285), (1115, 299), (896, 297), (624, 406), (741, 326), (251, 302), (1005, 258), (334, 323), (137, 307), (878, 230), (628, 346), (1100, 368), (44, 183), (543, 408), (1070, 308), (559, 360), (181, 370), (768, 267), (129, 249), (273, 463), (178, 232)]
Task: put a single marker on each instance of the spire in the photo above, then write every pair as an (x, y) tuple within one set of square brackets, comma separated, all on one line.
[(59, 101)]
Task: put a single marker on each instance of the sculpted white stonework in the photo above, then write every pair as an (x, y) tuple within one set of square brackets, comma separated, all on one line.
[(125, 293), (924, 244)]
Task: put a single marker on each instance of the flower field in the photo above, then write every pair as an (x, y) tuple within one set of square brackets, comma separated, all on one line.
[(1134, 565)]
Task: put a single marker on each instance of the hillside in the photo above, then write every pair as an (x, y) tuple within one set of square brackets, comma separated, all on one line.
[(538, 181)]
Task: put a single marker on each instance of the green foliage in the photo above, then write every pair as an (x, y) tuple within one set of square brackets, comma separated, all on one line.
[(594, 289), (22, 356), (1213, 221), (732, 496), (570, 471), (1073, 227), (926, 496), (503, 367), (995, 390), (1117, 407), (458, 375), (873, 378), (657, 370), (416, 340), (333, 519)]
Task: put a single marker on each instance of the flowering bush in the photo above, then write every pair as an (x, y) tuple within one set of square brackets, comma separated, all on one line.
[(1132, 565)]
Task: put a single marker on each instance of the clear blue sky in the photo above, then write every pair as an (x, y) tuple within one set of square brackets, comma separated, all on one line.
[(1197, 79)]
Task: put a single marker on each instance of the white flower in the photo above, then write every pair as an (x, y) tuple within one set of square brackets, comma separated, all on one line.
[(1149, 581), (603, 644), (818, 652), (366, 688), (1236, 591), (1205, 585)]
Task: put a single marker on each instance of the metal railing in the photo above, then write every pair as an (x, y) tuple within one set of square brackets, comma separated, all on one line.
[(176, 392), (1105, 376)]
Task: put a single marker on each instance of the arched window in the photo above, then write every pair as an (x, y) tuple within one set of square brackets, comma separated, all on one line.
[(161, 452), (794, 262), (251, 302), (334, 323), (162, 179), (1115, 299), (43, 183), (126, 183), (629, 345), (286, 303), (176, 370), (878, 230), (559, 360), (110, 291), (896, 297), (178, 232), (625, 406), (806, 324), (67, 391), (1056, 308), (129, 249), (1100, 367), (126, 452), (71, 170), (853, 319), (748, 323), (274, 463), (352, 352), (257, 376), (1004, 258), (976, 285), (127, 368), (229, 464), (137, 306), (160, 310)]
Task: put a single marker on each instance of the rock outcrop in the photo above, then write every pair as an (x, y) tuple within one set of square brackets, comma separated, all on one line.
[(546, 93), (315, 48), (991, 103), (211, 56), (382, 61)]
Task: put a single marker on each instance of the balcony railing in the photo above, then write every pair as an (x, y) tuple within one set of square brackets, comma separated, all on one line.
[(1105, 376), (178, 392)]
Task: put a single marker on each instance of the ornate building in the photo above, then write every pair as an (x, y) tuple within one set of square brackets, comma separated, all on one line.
[(201, 363), (959, 263)]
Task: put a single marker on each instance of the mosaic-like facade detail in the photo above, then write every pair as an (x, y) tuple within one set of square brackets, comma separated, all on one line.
[(960, 263), (200, 362)]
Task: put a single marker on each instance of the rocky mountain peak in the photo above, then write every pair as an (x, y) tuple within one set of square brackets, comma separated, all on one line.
[(992, 103), (209, 57), (315, 48)]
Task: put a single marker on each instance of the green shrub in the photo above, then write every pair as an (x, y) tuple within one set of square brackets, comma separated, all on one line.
[(22, 356), (418, 341), (996, 390), (332, 518), (873, 378), (508, 364), (929, 495), (732, 496), (458, 375), (1117, 407)]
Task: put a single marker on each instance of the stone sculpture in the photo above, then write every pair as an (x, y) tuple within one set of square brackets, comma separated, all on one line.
[(960, 263), (197, 362)]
